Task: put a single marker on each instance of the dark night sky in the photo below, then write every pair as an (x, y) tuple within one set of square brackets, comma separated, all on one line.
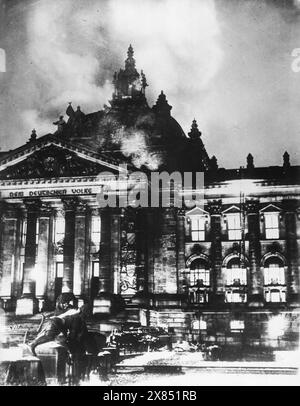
[(226, 63)]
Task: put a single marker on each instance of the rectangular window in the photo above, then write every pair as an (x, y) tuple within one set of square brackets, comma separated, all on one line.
[(237, 325), (274, 275), (272, 225), (37, 230), (234, 226), (235, 297), (275, 295), (96, 269), (59, 269), (198, 228), (96, 232), (199, 277), (199, 325), (236, 276), (59, 233), (24, 231)]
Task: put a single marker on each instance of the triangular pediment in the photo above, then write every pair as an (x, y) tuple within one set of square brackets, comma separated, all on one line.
[(231, 210), (270, 208), (50, 157), (197, 212)]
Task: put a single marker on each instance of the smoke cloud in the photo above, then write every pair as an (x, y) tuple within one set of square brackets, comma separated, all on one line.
[(225, 63)]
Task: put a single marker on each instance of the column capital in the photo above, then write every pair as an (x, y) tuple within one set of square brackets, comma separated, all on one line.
[(32, 205), (46, 209), (70, 203), (81, 207), (214, 207)]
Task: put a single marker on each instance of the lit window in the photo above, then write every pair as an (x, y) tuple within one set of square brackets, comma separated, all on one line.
[(24, 230), (272, 225), (198, 228), (37, 232), (274, 280), (237, 325), (96, 231), (199, 325), (234, 226), (59, 269), (275, 295), (235, 296), (96, 269), (235, 274), (274, 274), (199, 274), (59, 230)]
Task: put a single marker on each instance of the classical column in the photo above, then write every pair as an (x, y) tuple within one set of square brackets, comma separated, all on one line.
[(292, 252), (51, 274), (115, 249), (105, 280), (109, 262), (41, 268), (215, 208), (7, 253), (69, 243), (180, 249), (151, 238), (28, 304), (141, 249), (80, 250), (165, 256), (255, 282)]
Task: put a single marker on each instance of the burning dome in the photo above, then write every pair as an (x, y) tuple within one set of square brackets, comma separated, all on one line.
[(132, 130)]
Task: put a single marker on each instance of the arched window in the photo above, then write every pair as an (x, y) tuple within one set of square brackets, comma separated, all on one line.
[(236, 275), (198, 280), (274, 271), (274, 280), (199, 273), (236, 281)]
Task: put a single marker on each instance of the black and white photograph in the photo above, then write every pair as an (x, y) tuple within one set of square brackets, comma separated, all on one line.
[(149, 195)]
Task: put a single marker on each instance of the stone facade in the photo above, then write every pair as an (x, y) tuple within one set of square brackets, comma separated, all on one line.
[(230, 265)]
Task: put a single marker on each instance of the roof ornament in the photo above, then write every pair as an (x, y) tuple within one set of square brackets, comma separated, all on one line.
[(129, 83), (33, 136), (250, 162), (60, 124), (286, 161), (214, 163), (194, 133), (162, 106)]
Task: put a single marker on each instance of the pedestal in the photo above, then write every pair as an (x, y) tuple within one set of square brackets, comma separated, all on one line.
[(26, 306), (53, 357)]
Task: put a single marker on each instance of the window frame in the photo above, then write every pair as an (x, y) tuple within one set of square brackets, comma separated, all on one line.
[(96, 242), (234, 233), (59, 236), (270, 230), (200, 230), (197, 271)]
